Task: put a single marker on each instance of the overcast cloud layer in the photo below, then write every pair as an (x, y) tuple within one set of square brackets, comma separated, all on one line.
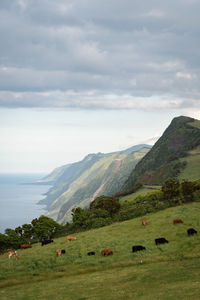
[(100, 54)]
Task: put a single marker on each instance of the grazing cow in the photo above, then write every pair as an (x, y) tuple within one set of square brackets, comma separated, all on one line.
[(60, 252), (106, 252), (161, 241), (191, 231), (45, 242), (25, 246), (71, 238), (177, 221), (144, 222), (91, 253), (138, 248), (13, 253)]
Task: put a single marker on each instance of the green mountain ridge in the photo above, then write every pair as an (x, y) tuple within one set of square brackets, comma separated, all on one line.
[(79, 183), (170, 156)]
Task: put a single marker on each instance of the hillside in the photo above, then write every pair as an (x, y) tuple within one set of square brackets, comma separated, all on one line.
[(54, 176), (169, 271), (79, 183), (175, 154), (68, 174), (144, 190)]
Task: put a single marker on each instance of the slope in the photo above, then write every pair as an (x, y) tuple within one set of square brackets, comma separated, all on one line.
[(54, 176), (105, 176), (68, 174), (169, 271), (169, 157)]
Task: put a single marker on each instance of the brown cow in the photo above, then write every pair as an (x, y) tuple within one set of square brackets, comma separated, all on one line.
[(106, 252), (25, 246), (71, 238), (177, 221), (60, 252), (144, 223), (13, 253)]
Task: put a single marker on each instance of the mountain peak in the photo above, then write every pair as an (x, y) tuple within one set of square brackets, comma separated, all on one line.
[(165, 159), (182, 119)]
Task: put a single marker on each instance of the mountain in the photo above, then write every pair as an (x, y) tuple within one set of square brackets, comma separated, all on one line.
[(175, 154), (77, 184), (136, 148), (52, 178)]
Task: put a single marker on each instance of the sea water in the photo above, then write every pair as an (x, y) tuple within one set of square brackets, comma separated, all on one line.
[(19, 198)]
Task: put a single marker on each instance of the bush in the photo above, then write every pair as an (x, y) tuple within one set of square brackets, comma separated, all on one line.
[(110, 204), (171, 189)]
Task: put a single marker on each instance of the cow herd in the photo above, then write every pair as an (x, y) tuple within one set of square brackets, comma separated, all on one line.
[(104, 252), (162, 240)]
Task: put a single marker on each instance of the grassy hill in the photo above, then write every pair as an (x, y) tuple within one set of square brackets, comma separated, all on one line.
[(175, 154), (95, 175), (169, 271), (192, 168), (145, 189)]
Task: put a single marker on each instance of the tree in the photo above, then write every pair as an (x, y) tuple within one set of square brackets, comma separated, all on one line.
[(171, 189), (3, 242), (79, 216), (110, 204), (45, 228), (19, 230), (13, 240), (27, 232), (34, 221), (187, 188)]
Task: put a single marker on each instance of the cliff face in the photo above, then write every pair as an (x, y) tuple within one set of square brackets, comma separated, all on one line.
[(79, 183)]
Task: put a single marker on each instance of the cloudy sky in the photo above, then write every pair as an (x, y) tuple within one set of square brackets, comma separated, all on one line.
[(82, 76)]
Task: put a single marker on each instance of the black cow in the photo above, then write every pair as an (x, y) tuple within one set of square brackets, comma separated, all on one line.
[(161, 241), (46, 242), (138, 248), (191, 231), (91, 253)]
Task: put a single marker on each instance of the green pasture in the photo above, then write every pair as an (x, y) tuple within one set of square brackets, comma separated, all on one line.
[(167, 271), (192, 169), (141, 192)]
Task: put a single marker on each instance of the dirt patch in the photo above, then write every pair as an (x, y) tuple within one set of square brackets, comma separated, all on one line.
[(118, 164), (96, 193)]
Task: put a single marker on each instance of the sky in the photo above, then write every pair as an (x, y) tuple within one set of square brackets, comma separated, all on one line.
[(88, 76)]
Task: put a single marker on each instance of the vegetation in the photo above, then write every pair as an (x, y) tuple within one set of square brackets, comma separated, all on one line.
[(103, 211), (171, 189), (143, 190), (97, 174), (168, 157), (40, 229), (169, 271), (191, 170), (160, 272)]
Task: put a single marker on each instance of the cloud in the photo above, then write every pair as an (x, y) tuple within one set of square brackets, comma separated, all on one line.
[(66, 50), (92, 100), (184, 75), (157, 13)]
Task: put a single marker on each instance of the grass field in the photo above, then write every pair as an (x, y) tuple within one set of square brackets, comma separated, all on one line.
[(142, 191), (169, 271), (192, 169)]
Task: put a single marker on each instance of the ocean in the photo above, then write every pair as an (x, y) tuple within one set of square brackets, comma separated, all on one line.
[(19, 198)]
